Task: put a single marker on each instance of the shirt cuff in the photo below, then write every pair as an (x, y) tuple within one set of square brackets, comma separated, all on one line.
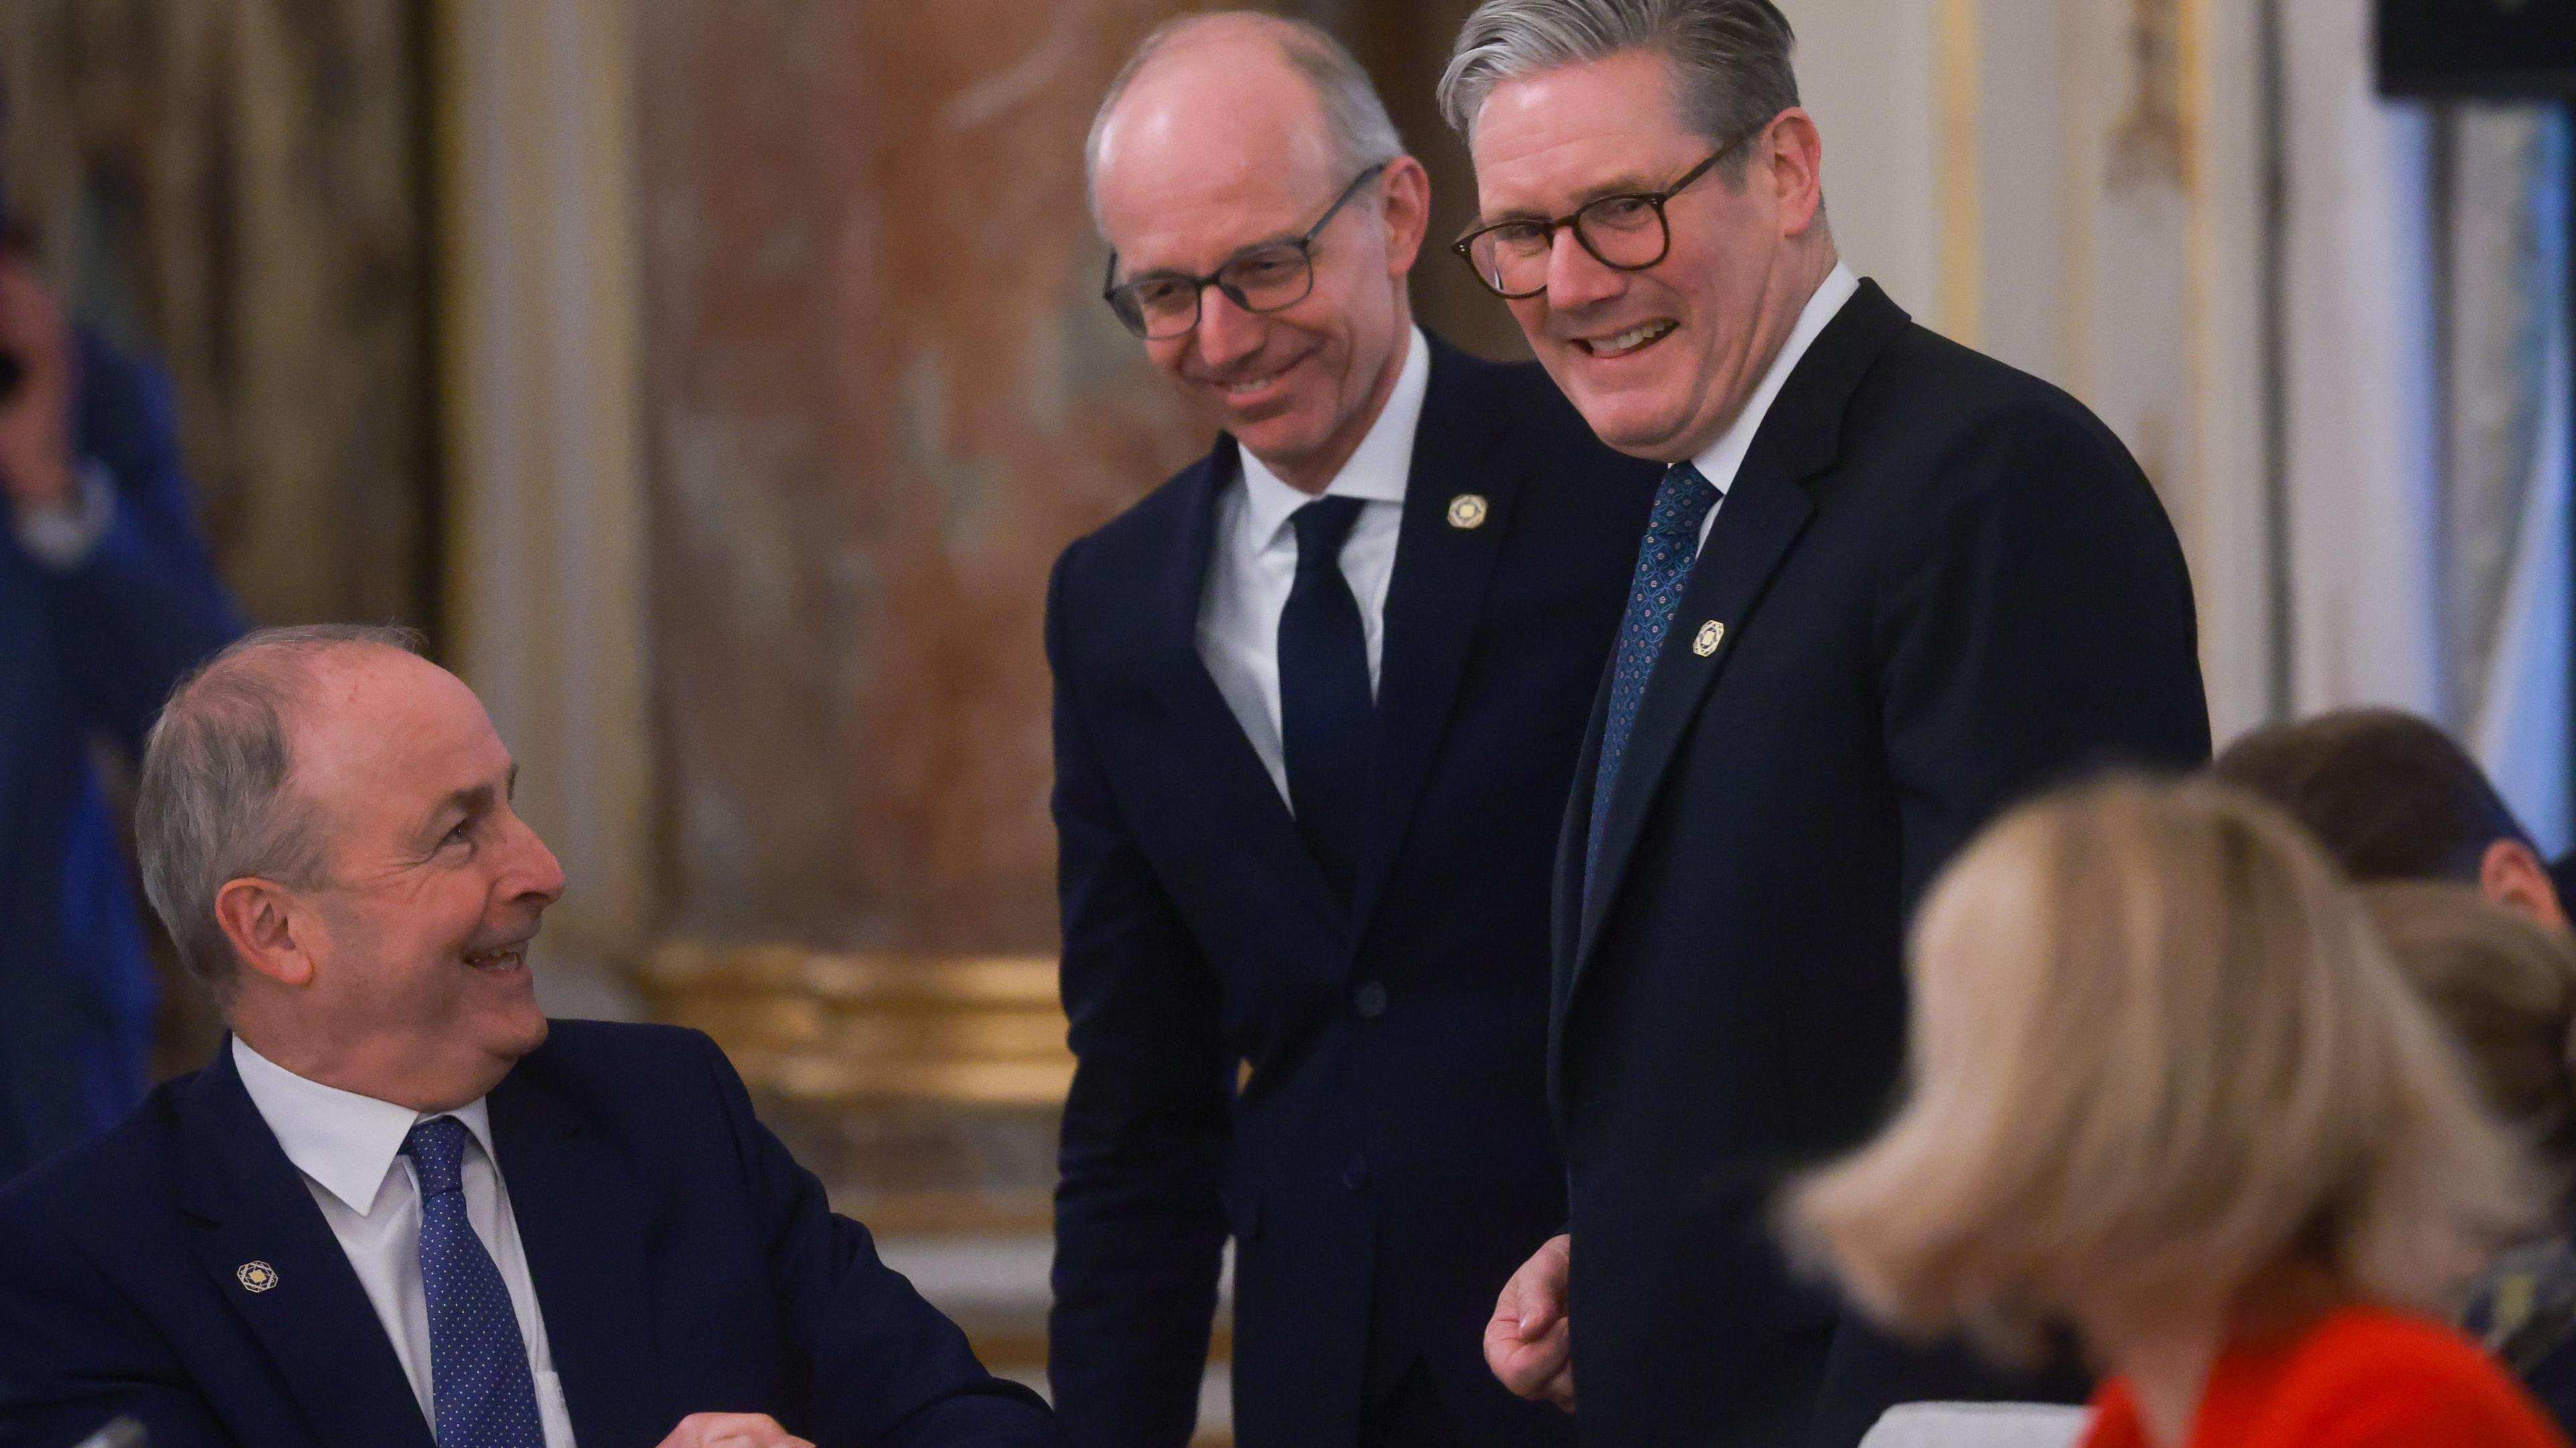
[(61, 537)]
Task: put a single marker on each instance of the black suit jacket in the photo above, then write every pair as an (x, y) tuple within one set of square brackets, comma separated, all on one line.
[(1942, 584), (1387, 1161), (683, 1261)]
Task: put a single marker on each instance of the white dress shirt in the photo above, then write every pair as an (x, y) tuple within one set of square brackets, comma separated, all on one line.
[(349, 1149), (1254, 561), (1725, 457)]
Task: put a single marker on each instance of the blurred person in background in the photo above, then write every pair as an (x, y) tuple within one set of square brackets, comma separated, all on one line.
[(2505, 987), (1317, 701), (2392, 797), (2169, 1089), (107, 596)]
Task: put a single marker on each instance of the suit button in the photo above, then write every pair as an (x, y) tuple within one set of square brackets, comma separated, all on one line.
[(1370, 1000), (1356, 1175)]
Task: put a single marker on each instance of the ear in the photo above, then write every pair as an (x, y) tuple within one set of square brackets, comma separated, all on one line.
[(1790, 154), (2510, 875), (261, 918), (1408, 213)]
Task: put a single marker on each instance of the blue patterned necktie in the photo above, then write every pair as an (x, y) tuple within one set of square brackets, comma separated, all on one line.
[(1663, 571), (1327, 711), (478, 1363)]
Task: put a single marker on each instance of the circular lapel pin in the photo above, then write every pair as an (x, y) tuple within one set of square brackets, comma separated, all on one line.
[(256, 1276), (1467, 510), (1711, 634)]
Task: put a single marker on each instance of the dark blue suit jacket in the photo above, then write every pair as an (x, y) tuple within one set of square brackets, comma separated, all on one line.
[(1943, 584), (1387, 1162), (87, 653), (683, 1261)]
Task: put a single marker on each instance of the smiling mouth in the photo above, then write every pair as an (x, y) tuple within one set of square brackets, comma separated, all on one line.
[(1635, 339), (1252, 386), (499, 959)]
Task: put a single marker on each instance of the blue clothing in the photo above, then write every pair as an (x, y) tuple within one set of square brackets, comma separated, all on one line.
[(1388, 1162), (89, 652), (682, 1260)]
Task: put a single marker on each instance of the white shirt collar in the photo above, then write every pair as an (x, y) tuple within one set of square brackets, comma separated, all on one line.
[(343, 1141), (1725, 457), (1376, 471)]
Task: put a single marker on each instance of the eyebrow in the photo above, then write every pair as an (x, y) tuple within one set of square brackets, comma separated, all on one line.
[(472, 800), (1632, 184), (1285, 238)]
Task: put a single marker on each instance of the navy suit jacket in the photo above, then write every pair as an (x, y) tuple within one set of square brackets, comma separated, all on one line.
[(1943, 584), (88, 653), (1387, 1161), (683, 1261)]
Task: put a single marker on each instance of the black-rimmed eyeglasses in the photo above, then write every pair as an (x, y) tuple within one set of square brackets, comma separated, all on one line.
[(1264, 277), (1625, 232)]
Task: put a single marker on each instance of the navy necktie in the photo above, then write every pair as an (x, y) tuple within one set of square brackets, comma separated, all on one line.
[(478, 1364), (1663, 571), (1327, 712)]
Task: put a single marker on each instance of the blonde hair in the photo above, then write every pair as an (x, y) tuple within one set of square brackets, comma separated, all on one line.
[(2158, 1052), (2505, 988)]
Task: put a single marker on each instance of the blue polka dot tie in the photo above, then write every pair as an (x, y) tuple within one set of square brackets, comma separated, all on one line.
[(1663, 571), (478, 1364)]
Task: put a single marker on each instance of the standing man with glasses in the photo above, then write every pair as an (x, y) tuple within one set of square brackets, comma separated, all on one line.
[(1317, 705), (1888, 587)]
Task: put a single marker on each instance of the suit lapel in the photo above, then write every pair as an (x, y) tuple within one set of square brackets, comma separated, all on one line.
[(576, 1208), (1763, 515), (257, 1223), (1226, 773), (1433, 603)]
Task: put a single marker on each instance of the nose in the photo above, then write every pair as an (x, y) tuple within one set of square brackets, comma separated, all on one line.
[(533, 875), (1576, 278), (1227, 333)]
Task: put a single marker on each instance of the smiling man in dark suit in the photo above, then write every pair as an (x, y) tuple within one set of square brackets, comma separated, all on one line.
[(1889, 586), (399, 1203), (1317, 702)]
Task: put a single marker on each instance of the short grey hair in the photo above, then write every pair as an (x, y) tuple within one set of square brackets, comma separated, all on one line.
[(211, 805), (1730, 59), (1356, 125)]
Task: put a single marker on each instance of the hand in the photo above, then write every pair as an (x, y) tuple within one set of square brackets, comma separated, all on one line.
[(1530, 1342), (732, 1430), (36, 423)]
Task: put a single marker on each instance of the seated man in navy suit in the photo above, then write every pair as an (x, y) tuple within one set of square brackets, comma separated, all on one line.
[(399, 1203)]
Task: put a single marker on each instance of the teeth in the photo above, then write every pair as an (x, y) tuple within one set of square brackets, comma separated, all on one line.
[(1632, 339), (1239, 389), (493, 959)]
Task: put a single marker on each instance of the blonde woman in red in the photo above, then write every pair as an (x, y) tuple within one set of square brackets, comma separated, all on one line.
[(2170, 1093)]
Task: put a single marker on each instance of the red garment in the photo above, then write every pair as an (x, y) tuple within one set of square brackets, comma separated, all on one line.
[(2359, 1377)]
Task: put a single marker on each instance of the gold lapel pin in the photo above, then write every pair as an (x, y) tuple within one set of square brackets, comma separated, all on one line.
[(1711, 634), (1467, 510), (256, 1276)]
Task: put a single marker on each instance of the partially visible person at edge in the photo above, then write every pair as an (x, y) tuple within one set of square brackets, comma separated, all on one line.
[(1317, 700), (107, 596), (2168, 1087), (2392, 797), (1889, 587), (2506, 989)]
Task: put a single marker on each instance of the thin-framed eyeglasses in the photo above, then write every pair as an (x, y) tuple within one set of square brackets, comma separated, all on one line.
[(1267, 276), (1627, 231)]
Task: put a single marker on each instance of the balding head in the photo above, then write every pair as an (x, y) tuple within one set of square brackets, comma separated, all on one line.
[(213, 803), (1262, 219), (1244, 86)]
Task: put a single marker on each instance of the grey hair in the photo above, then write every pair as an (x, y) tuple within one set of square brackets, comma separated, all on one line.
[(1731, 59), (1356, 125), (211, 805)]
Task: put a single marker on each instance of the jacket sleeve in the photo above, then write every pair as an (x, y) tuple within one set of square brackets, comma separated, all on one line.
[(2041, 629), (1139, 1218), (74, 1353), (886, 1369), (144, 606)]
